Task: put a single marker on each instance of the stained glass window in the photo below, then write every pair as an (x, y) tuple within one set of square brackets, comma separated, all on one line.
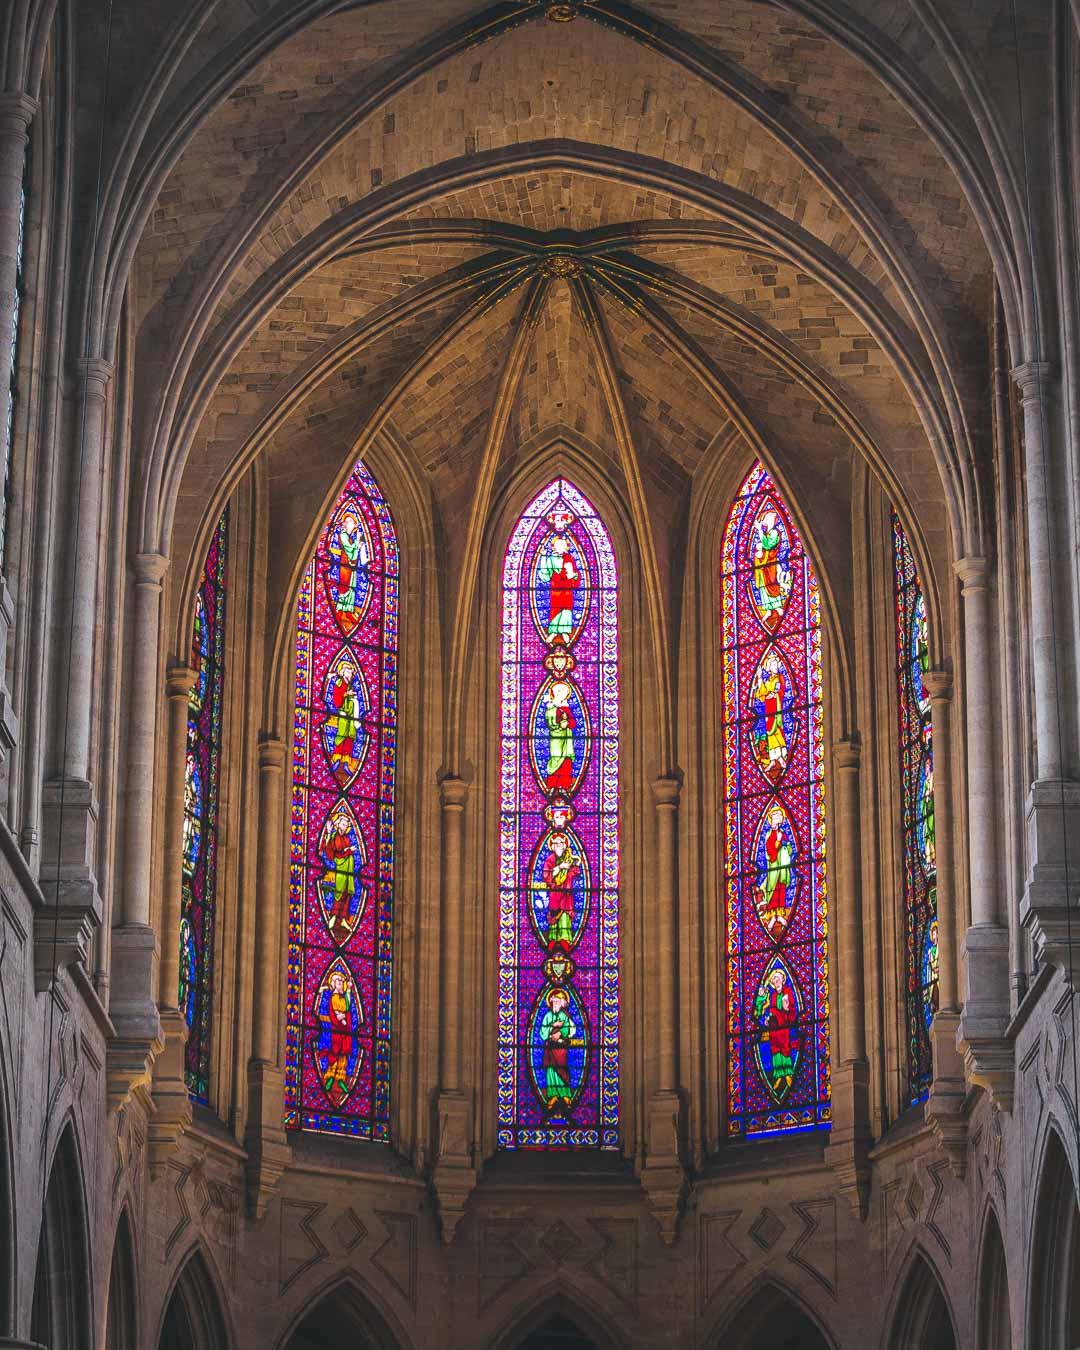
[(341, 871), (917, 816), (776, 901), (199, 861), (558, 1037), (13, 356)]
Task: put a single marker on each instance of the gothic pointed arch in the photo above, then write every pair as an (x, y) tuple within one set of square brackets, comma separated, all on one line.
[(61, 1316), (194, 1316), (343, 1318), (558, 993), (341, 899), (558, 1320), (920, 1318), (993, 1309), (770, 1315), (122, 1309), (774, 831), (7, 1202), (1054, 1285)]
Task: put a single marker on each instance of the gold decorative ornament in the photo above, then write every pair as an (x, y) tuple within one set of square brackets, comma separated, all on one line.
[(560, 265)]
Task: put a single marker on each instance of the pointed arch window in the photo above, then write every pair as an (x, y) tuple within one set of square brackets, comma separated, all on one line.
[(919, 857), (558, 1037), (341, 872), (17, 304), (201, 781), (775, 895)]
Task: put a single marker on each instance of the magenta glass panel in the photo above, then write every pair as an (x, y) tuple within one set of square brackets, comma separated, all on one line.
[(341, 860), (775, 897), (558, 1038)]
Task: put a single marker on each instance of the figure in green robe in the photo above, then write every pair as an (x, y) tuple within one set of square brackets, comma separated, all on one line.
[(557, 1031)]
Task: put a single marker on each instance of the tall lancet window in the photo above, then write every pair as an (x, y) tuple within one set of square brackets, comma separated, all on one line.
[(13, 354), (201, 779), (341, 871), (917, 817), (558, 1038), (778, 1075)]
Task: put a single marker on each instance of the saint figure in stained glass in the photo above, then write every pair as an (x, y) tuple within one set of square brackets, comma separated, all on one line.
[(341, 875), (775, 894), (558, 1043)]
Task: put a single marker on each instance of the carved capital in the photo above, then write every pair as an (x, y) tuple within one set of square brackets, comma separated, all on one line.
[(93, 376), (179, 682), (17, 111), (973, 572), (848, 1152), (938, 684), (454, 1177), (453, 793), (265, 1139), (946, 1104), (149, 569), (666, 792), (172, 1103), (847, 755), (1032, 379), (271, 754)]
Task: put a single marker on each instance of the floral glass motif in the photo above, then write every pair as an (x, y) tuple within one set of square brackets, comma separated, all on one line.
[(558, 1038), (916, 743), (775, 895), (199, 853), (341, 847)]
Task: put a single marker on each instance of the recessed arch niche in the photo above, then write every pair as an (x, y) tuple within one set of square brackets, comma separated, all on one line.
[(194, 1319), (770, 1316), (921, 1319), (1054, 1289), (994, 1313), (343, 1319), (61, 1312)]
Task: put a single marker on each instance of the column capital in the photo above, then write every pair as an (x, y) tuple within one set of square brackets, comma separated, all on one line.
[(453, 793), (938, 684), (271, 752), (179, 682), (973, 571), (667, 790), (17, 111), (149, 568), (94, 375), (1032, 379), (847, 754)]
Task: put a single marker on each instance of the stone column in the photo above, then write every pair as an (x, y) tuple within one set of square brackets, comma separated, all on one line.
[(948, 1088), (68, 807), (135, 949), (1053, 807), (172, 1103), (265, 1140), (849, 1140), (1032, 380), (985, 949), (663, 1176), (455, 1175)]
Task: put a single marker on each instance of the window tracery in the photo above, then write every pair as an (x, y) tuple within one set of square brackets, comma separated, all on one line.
[(775, 892), (341, 871), (558, 995)]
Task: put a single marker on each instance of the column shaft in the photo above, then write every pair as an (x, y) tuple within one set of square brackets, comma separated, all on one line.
[(89, 433), (268, 906), (938, 685), (666, 793), (141, 728), (1032, 380), (453, 793), (849, 896), (982, 831), (179, 681)]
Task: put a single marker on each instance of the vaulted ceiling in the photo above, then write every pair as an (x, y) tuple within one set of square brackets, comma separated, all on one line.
[(471, 227)]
